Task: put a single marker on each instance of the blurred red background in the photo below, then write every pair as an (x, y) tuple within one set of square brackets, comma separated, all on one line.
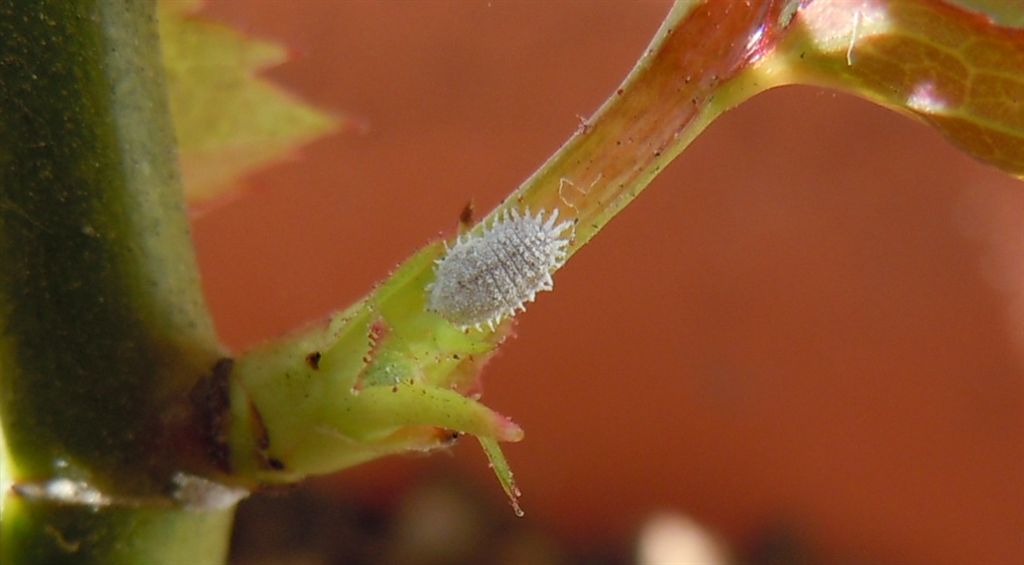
[(814, 317)]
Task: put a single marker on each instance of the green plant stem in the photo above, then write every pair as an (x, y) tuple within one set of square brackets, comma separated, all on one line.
[(54, 533), (104, 327), (697, 67), (385, 371)]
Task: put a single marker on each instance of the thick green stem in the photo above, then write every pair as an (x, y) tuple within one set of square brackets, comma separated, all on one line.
[(53, 533), (104, 327)]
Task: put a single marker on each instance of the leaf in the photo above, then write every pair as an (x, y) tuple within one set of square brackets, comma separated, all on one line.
[(229, 121), (953, 69)]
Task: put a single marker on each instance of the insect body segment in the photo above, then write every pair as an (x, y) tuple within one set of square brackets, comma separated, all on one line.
[(488, 275)]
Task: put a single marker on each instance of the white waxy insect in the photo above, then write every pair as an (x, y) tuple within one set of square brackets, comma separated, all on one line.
[(488, 275)]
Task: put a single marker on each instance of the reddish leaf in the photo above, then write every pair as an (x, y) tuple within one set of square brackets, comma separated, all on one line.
[(955, 69)]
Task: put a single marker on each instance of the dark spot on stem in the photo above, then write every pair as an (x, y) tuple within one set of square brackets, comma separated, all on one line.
[(313, 360), (262, 438), (210, 400), (259, 429), (448, 438)]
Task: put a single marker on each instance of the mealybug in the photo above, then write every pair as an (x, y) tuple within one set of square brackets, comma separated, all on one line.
[(488, 275)]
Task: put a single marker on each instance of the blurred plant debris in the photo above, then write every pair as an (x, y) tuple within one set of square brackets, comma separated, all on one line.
[(442, 520)]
